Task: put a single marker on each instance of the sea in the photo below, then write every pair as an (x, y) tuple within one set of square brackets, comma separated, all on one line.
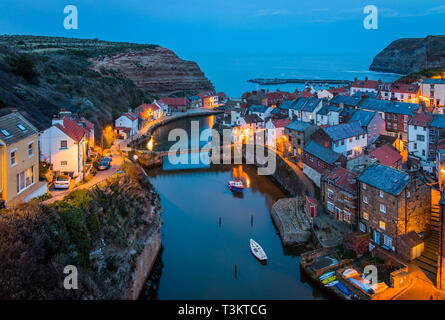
[(229, 71)]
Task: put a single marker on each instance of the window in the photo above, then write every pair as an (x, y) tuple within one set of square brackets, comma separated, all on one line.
[(6, 133), (346, 216), (63, 144), (381, 194), (387, 241), (365, 215), (311, 159), (415, 146), (420, 137), (382, 225), (13, 158), (382, 208), (343, 142), (25, 179), (31, 149), (330, 194), (365, 199), (331, 206), (364, 186), (423, 152), (21, 127), (362, 227), (63, 163), (350, 139)]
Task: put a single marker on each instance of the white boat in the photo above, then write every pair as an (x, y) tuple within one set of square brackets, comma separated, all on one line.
[(257, 251)]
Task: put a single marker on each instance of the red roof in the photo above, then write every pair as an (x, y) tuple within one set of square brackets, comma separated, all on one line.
[(71, 129), (344, 179), (174, 101), (131, 115), (307, 94), (205, 94), (368, 84), (338, 91), (386, 155), (405, 88), (280, 123), (421, 120)]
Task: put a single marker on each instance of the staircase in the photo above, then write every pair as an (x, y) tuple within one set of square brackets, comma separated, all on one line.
[(428, 260)]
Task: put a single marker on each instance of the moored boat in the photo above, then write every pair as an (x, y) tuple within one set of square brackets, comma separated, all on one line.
[(257, 250), (236, 185)]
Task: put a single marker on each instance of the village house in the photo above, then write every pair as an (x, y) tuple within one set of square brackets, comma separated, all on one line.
[(148, 112), (276, 98), (402, 92), (282, 111), (339, 195), (255, 97), (391, 204), (332, 92), (349, 139), (397, 117), (328, 116), (65, 146), (318, 161), (174, 104), (194, 102), (275, 133), (260, 110), (209, 99), (387, 155), (305, 109), (297, 135), (371, 122), (375, 105), (19, 172), (433, 93), (127, 124), (421, 139), (88, 127), (365, 86)]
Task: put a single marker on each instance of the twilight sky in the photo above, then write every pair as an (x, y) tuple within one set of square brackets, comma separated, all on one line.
[(334, 26)]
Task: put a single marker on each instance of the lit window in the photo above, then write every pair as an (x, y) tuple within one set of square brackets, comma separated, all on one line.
[(382, 225), (21, 127), (364, 186), (365, 215), (6, 132), (381, 194), (365, 199), (382, 208)]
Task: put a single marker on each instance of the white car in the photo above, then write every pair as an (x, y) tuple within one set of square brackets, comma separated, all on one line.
[(62, 182)]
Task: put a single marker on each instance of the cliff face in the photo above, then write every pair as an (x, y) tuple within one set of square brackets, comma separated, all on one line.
[(157, 71), (411, 55), (99, 79), (111, 234)]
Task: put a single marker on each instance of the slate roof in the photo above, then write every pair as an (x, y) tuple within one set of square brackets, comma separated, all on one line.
[(297, 125), (9, 123), (252, 118), (287, 104), (421, 119), (305, 104), (279, 123), (364, 117), (402, 108), (346, 100), (344, 130), (385, 178), (438, 121), (375, 104), (258, 108), (434, 81), (360, 94), (326, 109), (322, 153)]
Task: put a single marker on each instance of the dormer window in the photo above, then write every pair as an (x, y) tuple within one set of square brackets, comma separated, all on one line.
[(5, 132), (21, 127)]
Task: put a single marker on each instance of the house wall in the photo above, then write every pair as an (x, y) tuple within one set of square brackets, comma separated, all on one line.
[(23, 162), (415, 145), (123, 121), (342, 202), (397, 125), (51, 151), (351, 147), (437, 94), (375, 128)]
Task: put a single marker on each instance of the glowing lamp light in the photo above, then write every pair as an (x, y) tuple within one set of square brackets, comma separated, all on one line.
[(150, 144)]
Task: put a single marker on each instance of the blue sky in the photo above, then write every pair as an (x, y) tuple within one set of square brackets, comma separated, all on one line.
[(185, 26)]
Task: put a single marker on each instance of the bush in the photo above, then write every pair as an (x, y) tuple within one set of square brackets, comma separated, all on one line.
[(23, 66), (93, 223), (80, 198)]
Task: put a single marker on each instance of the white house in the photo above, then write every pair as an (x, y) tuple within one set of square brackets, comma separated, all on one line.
[(328, 115), (260, 110), (305, 109), (64, 145), (433, 93), (127, 120), (274, 131)]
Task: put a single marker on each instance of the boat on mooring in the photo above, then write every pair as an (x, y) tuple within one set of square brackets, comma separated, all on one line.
[(236, 185), (257, 250)]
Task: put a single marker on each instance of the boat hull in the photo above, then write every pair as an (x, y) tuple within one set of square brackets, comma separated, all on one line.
[(257, 251), (235, 189)]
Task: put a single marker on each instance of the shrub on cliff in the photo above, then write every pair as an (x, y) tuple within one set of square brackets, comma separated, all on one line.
[(23, 66)]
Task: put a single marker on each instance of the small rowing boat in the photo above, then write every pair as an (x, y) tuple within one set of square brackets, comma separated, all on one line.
[(326, 275), (236, 185), (257, 251)]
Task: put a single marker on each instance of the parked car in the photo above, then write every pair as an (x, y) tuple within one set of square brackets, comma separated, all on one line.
[(62, 182), (108, 159), (104, 165)]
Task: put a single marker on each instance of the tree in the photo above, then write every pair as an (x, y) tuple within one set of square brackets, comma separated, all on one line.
[(23, 66)]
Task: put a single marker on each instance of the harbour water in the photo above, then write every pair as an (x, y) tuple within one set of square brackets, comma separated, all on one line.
[(206, 233)]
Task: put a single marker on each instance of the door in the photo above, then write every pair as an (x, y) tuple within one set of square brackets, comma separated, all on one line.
[(312, 211), (377, 237)]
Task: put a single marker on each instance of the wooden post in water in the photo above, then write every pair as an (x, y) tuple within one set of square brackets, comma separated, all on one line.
[(251, 220), (235, 270), (220, 222)]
